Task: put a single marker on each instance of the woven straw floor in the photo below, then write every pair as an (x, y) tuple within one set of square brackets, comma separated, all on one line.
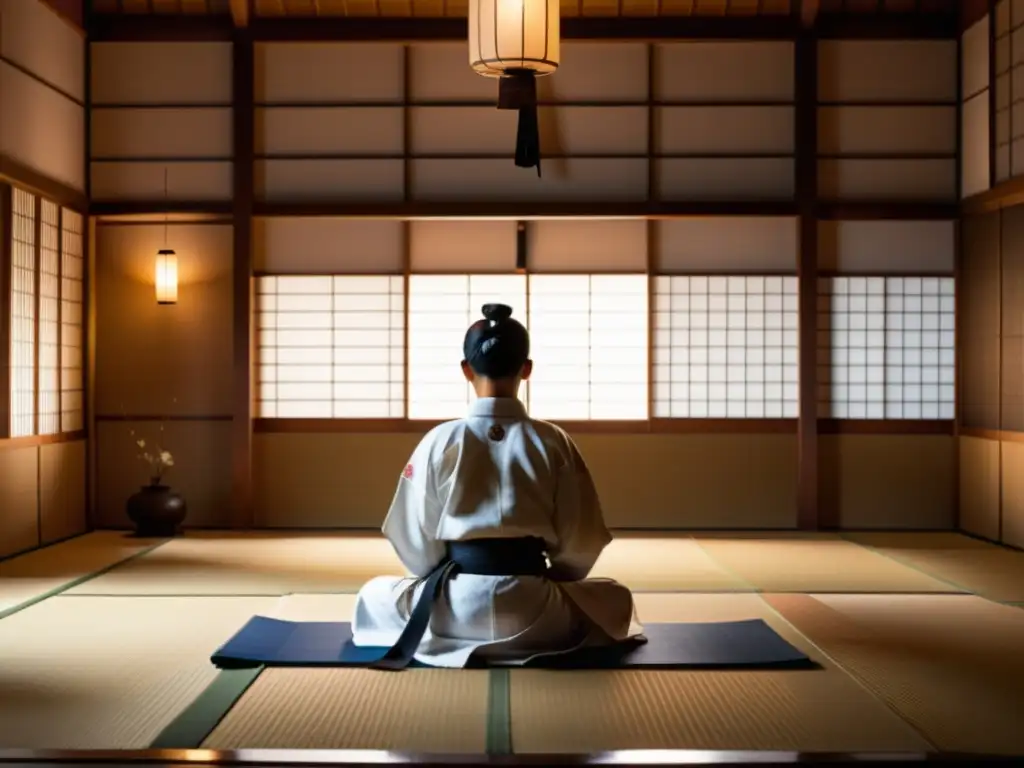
[(106, 640)]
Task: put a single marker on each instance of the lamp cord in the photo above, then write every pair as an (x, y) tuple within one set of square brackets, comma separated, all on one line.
[(165, 211)]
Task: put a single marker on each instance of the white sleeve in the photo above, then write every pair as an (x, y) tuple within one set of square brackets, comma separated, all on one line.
[(579, 520), (407, 524)]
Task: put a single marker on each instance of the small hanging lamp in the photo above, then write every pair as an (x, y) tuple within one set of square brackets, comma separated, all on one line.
[(516, 41), (166, 266)]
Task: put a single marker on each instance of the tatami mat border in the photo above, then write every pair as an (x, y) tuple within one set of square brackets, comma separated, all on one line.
[(77, 581)]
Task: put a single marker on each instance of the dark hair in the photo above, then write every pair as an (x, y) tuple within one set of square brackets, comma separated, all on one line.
[(497, 346)]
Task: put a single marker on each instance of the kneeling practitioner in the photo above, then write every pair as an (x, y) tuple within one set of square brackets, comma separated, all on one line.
[(497, 518)]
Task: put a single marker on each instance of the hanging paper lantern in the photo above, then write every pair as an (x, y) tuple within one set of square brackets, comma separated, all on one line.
[(516, 41)]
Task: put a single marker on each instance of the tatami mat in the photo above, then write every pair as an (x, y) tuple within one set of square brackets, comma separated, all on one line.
[(952, 665), (805, 710), (441, 711), (817, 709), (269, 563), (673, 563), (108, 672), (986, 569), (253, 563), (29, 577), (813, 563)]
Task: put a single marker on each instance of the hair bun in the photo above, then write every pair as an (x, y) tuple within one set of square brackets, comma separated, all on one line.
[(497, 312)]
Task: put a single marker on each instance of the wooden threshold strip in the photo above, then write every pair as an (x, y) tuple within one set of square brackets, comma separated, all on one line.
[(31, 441), (999, 435), (638, 427), (662, 758)]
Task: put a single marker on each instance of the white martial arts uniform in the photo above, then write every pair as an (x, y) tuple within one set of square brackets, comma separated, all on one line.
[(497, 474)]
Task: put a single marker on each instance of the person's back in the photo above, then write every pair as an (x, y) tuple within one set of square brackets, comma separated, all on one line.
[(507, 505)]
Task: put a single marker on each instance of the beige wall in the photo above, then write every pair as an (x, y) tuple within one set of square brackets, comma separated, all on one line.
[(42, 127), (163, 361), (42, 90), (992, 489), (42, 494)]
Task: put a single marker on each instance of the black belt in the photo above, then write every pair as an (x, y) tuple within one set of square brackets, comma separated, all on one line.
[(481, 557)]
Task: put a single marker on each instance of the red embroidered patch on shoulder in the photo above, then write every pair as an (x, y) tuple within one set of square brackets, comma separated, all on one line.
[(407, 472)]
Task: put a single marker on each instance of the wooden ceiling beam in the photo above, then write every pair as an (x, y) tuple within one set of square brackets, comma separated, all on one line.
[(130, 28)]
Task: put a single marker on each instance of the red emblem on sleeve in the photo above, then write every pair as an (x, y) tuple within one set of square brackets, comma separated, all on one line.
[(407, 472)]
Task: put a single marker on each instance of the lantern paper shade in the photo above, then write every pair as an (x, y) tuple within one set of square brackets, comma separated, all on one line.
[(513, 35), (516, 41), (166, 277)]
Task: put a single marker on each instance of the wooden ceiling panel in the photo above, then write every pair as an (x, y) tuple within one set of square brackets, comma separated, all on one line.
[(440, 8)]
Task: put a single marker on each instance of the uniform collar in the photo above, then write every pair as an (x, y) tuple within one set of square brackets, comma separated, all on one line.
[(504, 407)]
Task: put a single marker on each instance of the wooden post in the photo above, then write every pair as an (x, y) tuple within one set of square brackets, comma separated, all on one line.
[(243, 116), (806, 161)]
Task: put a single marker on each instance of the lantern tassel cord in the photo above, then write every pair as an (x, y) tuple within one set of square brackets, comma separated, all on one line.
[(518, 90), (528, 139)]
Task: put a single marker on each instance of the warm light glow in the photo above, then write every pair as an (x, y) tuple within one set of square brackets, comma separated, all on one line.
[(331, 347), (166, 277), (72, 275), (513, 34), (441, 308), (23, 313), (589, 339)]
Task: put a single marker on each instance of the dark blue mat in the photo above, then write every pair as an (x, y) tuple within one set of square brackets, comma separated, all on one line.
[(747, 644)]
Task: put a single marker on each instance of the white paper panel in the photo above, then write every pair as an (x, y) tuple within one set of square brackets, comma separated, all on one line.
[(37, 39), (725, 179), (887, 247), (323, 245), (887, 130), (462, 246), (887, 70), (330, 347), (726, 347), (338, 130), (160, 73), (359, 181), (887, 179), (41, 128), (201, 132), (441, 308), (587, 245), (145, 181), (571, 179), (974, 56), (590, 346), (726, 244), (724, 130), (724, 72), (563, 130), (974, 146), (588, 72), (328, 72)]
